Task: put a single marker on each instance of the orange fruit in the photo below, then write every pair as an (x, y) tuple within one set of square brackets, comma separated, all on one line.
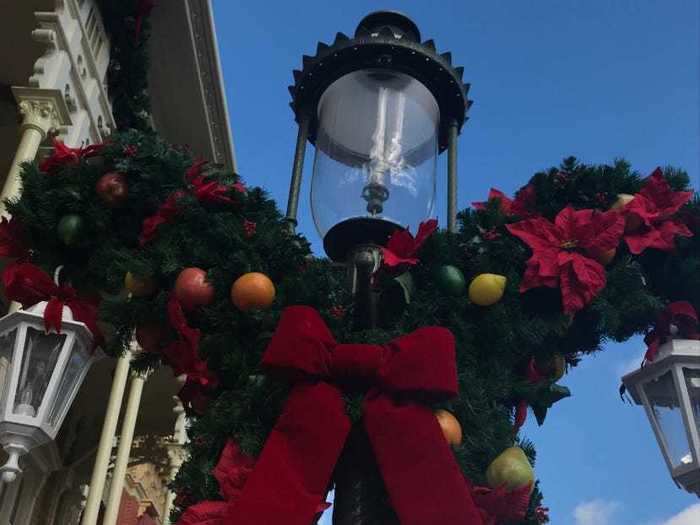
[(450, 427), (139, 287), (252, 291)]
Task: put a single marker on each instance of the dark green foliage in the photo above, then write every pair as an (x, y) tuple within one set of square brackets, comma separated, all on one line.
[(494, 344), (127, 76)]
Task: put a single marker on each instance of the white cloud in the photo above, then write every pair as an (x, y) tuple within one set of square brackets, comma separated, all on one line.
[(689, 516), (596, 512)]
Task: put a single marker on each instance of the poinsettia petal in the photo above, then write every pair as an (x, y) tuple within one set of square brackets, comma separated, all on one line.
[(603, 233), (401, 243), (657, 189), (581, 280), (538, 233), (570, 223), (538, 274), (524, 203), (659, 236), (425, 230), (392, 260)]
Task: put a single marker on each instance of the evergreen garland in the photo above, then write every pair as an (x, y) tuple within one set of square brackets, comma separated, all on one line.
[(495, 344)]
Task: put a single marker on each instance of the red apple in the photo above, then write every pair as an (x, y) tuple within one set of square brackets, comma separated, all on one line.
[(112, 189), (192, 288)]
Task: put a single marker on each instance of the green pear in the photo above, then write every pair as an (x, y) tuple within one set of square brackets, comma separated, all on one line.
[(512, 469)]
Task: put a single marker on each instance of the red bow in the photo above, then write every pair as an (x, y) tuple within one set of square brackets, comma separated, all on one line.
[(291, 476), (182, 356), (28, 284), (63, 155), (680, 314)]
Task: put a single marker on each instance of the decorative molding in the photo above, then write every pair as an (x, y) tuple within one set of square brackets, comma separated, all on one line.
[(201, 22), (44, 110), (75, 63)]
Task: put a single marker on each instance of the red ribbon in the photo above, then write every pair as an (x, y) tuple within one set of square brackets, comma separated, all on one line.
[(291, 476), (165, 214), (28, 284), (683, 316), (183, 357), (63, 155)]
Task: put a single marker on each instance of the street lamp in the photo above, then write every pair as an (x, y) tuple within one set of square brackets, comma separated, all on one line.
[(669, 389), (379, 108), (40, 374)]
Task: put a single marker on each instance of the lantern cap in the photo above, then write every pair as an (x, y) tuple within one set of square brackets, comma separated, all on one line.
[(388, 40)]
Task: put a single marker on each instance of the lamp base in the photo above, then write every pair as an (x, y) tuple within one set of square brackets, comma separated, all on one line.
[(347, 235)]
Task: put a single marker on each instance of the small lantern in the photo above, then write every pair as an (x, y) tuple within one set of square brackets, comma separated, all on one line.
[(40, 374), (379, 108), (669, 389)]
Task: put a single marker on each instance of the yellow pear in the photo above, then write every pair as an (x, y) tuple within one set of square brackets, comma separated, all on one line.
[(512, 469), (487, 289)]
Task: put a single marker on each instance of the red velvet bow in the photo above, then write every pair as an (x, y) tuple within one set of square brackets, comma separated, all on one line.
[(28, 284), (13, 242), (182, 355), (680, 314), (63, 155), (291, 476)]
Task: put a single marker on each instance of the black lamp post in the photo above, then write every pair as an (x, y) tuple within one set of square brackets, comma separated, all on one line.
[(379, 109)]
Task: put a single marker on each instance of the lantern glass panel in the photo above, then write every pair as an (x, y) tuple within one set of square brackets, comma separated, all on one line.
[(41, 352), (692, 382), (665, 405), (7, 344), (75, 367), (376, 151)]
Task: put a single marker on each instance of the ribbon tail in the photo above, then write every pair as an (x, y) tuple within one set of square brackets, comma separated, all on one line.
[(424, 482), (291, 476), (53, 315)]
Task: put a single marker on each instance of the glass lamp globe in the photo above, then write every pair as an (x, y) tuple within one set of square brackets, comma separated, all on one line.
[(40, 374), (669, 390), (375, 161)]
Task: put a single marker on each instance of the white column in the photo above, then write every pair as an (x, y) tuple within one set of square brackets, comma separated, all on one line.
[(124, 451), (9, 499), (43, 111), (104, 449), (176, 454)]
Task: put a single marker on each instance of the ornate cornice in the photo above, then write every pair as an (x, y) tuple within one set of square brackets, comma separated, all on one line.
[(41, 109)]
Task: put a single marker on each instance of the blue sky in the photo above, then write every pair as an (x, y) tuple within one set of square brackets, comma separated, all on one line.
[(598, 79)]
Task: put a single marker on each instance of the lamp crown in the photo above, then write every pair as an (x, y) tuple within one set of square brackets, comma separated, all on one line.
[(398, 23)]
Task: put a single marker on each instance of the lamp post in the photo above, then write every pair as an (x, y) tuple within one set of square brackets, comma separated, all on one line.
[(40, 374), (669, 390), (379, 107)]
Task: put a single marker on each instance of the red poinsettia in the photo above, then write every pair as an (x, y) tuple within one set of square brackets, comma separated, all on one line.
[(522, 206), (402, 247), (63, 155), (563, 252), (655, 207)]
